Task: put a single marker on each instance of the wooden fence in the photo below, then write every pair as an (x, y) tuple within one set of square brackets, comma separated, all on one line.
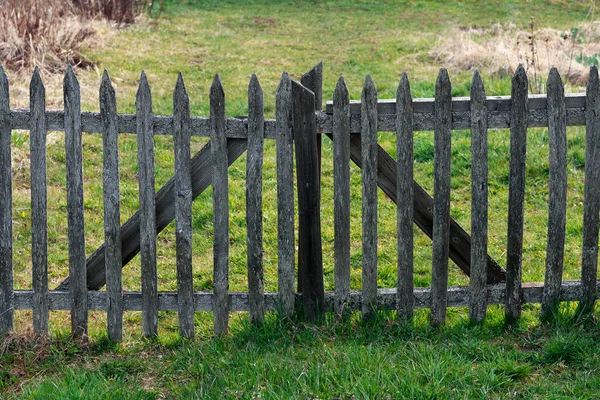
[(298, 127)]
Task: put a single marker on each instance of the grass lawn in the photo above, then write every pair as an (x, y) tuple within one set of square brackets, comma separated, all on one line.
[(283, 359)]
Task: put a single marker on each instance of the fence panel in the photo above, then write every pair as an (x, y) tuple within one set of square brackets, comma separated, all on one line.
[(145, 140), (441, 198), (405, 197), (220, 207), (39, 215), (6, 247), (516, 194), (254, 226), (341, 189), (479, 200), (112, 209), (183, 209)]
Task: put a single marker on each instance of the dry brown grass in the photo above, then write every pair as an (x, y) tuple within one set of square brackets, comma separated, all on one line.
[(499, 49)]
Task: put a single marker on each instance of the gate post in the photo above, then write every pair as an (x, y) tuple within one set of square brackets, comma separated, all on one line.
[(310, 257)]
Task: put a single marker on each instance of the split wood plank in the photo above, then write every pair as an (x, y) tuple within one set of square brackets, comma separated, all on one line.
[(479, 200), (254, 226), (112, 209), (220, 207), (39, 216), (516, 195), (405, 198), (441, 198), (75, 216), (557, 201), (145, 139), (183, 209), (285, 196)]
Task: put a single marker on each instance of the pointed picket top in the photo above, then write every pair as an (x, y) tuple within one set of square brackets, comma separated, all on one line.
[(519, 79), (216, 89), (284, 89), (340, 94), (403, 92), (4, 93), (369, 86), (593, 80), (554, 81), (442, 84), (181, 100), (70, 82), (108, 99), (254, 88), (477, 88), (37, 86), (317, 70), (143, 91)]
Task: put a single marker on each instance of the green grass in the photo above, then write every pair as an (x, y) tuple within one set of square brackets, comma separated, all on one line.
[(282, 359)]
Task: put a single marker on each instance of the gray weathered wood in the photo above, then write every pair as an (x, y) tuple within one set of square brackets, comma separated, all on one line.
[(441, 198), (341, 189), (479, 200), (76, 230), (591, 202), (254, 226), (557, 201), (285, 197), (458, 296), (405, 197), (202, 170), (309, 214), (220, 207), (6, 268), (516, 194), (369, 196), (183, 209), (112, 209), (39, 216), (145, 140), (313, 81)]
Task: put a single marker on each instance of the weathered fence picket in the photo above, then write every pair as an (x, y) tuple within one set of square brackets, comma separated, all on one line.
[(145, 140), (441, 199), (220, 207), (557, 202), (341, 200), (354, 128), (112, 209), (479, 200), (39, 215), (286, 249), (516, 194), (76, 232), (254, 226), (6, 248), (369, 196), (405, 197), (591, 202), (183, 208)]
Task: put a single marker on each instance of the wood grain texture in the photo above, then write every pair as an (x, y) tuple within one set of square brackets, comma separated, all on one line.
[(285, 197), (479, 200), (516, 194), (405, 198), (220, 207), (254, 226), (112, 209), (591, 203), (441, 198), (202, 171), (313, 81), (39, 216), (183, 209), (75, 219), (369, 195), (6, 244), (309, 214), (341, 194), (145, 140), (557, 201)]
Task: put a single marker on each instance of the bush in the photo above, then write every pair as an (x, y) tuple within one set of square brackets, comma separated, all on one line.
[(49, 33)]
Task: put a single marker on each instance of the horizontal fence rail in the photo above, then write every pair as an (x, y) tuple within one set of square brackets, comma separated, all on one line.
[(297, 129)]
